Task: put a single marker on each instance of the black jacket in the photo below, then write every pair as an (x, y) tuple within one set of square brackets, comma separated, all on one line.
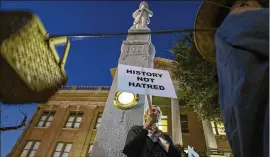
[(138, 144)]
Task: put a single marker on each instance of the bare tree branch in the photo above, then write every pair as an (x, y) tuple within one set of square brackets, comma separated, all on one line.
[(22, 124)]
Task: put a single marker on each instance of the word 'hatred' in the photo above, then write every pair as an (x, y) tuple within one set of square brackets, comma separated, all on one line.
[(143, 73), (144, 85)]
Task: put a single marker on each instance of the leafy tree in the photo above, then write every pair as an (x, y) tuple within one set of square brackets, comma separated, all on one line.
[(196, 78)]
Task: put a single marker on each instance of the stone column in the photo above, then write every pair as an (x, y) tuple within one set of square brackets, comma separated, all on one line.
[(136, 50), (176, 122), (210, 139)]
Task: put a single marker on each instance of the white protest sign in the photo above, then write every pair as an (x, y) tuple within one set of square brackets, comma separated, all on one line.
[(192, 153), (145, 81)]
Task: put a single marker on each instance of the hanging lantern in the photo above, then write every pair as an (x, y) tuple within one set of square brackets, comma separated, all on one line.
[(30, 68)]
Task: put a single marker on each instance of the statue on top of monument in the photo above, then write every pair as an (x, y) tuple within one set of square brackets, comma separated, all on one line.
[(142, 16)]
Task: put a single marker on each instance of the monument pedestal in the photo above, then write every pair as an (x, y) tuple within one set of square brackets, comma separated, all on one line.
[(136, 50)]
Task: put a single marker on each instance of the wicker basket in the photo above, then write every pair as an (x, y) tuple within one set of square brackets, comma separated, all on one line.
[(30, 68)]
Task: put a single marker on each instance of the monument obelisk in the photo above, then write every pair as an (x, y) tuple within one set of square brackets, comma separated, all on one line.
[(136, 50)]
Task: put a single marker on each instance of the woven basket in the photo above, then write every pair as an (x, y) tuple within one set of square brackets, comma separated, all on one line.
[(30, 68)]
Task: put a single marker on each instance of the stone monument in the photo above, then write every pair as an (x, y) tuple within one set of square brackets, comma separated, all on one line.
[(136, 50)]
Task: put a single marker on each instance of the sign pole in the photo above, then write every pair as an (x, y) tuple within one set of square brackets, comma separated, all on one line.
[(149, 104), (154, 126)]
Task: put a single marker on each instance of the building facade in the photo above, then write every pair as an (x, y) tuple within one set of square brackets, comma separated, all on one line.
[(66, 125)]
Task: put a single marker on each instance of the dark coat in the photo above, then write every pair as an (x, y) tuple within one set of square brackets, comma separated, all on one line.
[(242, 56), (138, 144)]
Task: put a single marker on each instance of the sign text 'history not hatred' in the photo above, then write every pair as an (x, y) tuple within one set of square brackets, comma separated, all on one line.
[(143, 81)]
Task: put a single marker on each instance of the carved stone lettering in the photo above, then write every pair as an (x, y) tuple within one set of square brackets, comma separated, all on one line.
[(115, 153), (136, 49), (132, 50), (122, 118)]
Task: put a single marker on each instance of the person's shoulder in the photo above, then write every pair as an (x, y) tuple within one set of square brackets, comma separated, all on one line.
[(167, 137), (136, 127)]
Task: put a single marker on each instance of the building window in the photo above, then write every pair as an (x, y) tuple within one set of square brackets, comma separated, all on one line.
[(62, 149), (163, 125), (184, 123), (98, 120), (45, 119), (74, 120), (218, 128), (89, 150), (30, 149)]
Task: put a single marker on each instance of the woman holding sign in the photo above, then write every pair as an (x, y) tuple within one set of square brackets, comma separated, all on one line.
[(148, 140)]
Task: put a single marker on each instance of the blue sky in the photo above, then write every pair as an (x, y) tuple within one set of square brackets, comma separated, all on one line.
[(90, 60)]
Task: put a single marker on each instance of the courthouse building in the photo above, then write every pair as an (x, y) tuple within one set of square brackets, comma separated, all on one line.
[(67, 124)]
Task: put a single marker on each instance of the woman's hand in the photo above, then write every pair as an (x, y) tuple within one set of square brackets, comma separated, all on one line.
[(150, 120)]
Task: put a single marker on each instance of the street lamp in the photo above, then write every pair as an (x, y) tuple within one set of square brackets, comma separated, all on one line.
[(125, 100)]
